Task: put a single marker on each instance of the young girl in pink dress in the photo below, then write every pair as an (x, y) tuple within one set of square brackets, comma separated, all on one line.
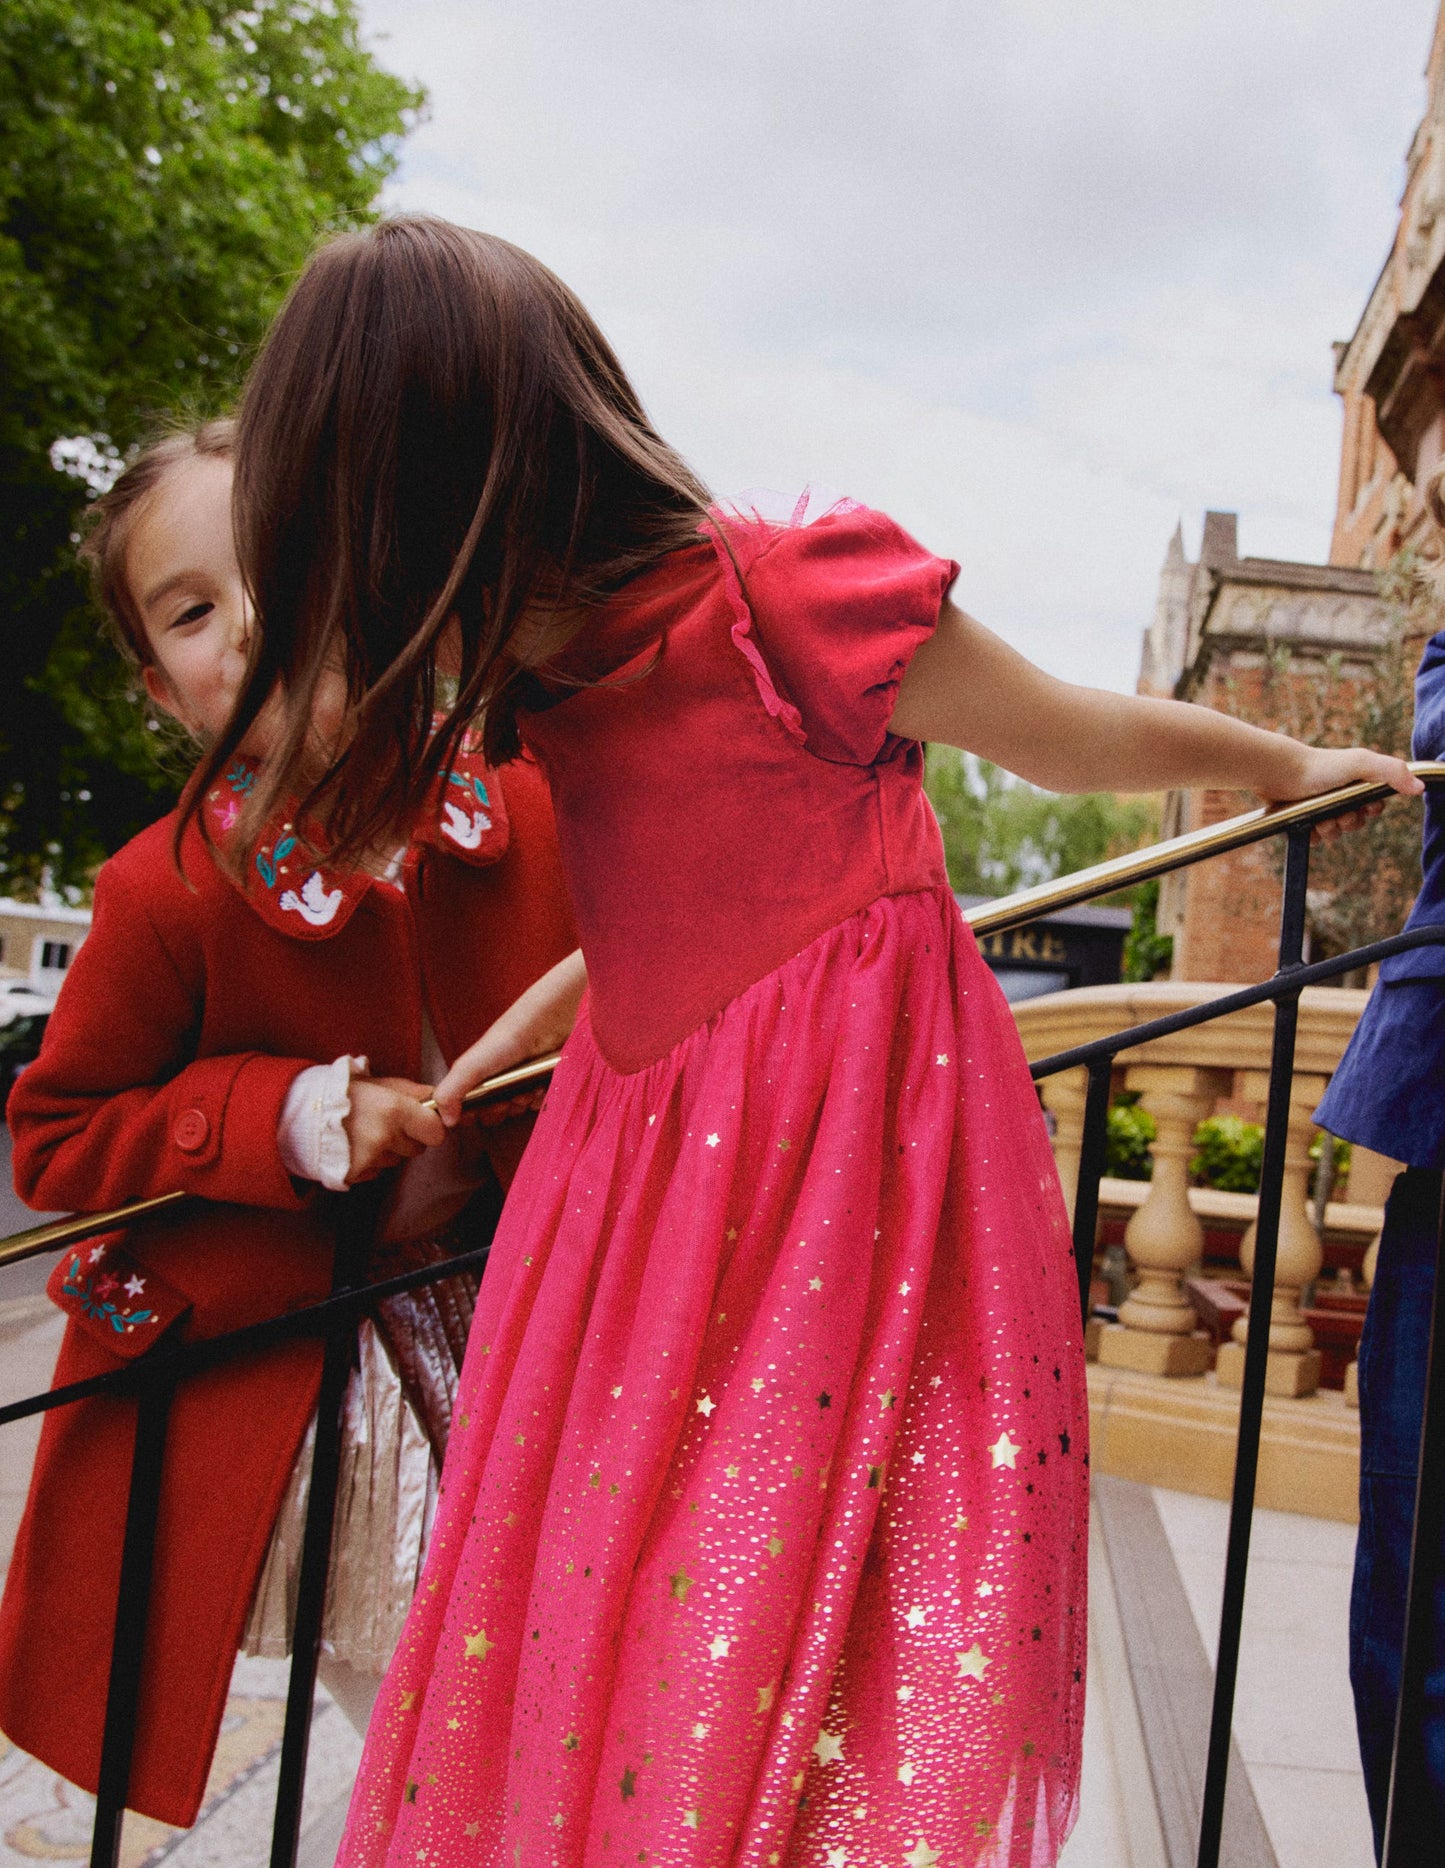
[(763, 1524)]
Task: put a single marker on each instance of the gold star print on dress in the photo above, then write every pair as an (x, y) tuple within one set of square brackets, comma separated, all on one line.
[(764, 1544)]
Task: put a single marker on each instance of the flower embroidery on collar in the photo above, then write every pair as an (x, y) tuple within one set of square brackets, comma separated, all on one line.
[(465, 814)]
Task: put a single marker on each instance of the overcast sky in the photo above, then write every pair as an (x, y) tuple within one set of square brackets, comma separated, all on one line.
[(1040, 277)]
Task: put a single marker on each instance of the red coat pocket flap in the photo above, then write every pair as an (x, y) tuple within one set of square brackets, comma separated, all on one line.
[(120, 1303)]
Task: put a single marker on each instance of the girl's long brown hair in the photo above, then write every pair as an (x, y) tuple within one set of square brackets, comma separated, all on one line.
[(434, 429)]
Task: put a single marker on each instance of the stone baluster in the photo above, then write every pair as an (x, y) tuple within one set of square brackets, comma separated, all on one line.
[(1064, 1097), (1293, 1366), (1157, 1330)]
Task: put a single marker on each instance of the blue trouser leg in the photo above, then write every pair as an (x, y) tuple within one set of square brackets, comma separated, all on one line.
[(1394, 1349)]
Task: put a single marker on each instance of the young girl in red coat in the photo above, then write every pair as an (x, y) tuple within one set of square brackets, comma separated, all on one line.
[(763, 1527), (255, 1046)]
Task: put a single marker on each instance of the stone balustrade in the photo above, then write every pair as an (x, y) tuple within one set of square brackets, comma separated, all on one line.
[(1179, 1080)]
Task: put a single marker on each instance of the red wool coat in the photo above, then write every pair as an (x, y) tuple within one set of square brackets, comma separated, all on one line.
[(187, 1014)]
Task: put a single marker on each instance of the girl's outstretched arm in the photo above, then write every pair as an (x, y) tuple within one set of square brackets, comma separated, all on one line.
[(967, 688), (539, 1021)]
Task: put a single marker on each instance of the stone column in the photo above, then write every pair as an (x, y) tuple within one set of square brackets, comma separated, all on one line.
[(1294, 1362), (1064, 1097), (1157, 1330)]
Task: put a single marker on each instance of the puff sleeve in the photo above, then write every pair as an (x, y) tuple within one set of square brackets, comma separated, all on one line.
[(829, 615)]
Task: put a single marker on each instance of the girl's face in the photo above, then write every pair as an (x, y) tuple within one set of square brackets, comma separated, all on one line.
[(181, 568)]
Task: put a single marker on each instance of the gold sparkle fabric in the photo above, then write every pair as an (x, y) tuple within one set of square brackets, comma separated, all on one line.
[(763, 1524)]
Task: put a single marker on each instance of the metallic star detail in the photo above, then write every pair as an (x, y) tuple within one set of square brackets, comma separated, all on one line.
[(974, 1664), (617, 1392), (766, 1695), (837, 1858), (629, 1783), (935, 1381), (960, 1523), (699, 1731), (718, 1647), (680, 1583), (571, 1742), (731, 1234), (713, 1139), (134, 1285), (1003, 1452), (689, 1819), (815, 1284), (788, 1720), (904, 1288), (921, 1855), (775, 1546), (829, 1748), (985, 1589), (472, 1829), (905, 1774), (454, 1725), (706, 1406), (520, 1438), (732, 1471), (916, 1616), (887, 1400), (918, 1459), (97, 1254), (905, 1693), (477, 1645), (757, 1384), (785, 1144), (408, 1701), (943, 1057)]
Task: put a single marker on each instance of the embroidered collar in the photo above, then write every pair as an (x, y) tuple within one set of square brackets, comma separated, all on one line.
[(464, 814)]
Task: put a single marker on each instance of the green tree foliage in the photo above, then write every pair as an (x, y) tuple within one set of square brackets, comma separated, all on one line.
[(164, 169), (1000, 834)]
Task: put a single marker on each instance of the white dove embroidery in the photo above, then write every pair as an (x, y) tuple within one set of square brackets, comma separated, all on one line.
[(316, 903), (465, 829)]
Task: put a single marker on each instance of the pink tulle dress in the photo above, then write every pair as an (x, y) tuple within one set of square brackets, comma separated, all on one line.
[(763, 1524)]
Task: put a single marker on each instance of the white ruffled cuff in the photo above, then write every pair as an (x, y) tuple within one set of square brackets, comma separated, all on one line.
[(312, 1131)]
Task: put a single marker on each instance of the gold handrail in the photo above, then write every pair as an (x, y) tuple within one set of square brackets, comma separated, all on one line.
[(60, 1232), (1009, 911), (1122, 872)]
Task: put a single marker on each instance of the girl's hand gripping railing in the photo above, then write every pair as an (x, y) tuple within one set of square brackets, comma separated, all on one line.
[(61, 1232)]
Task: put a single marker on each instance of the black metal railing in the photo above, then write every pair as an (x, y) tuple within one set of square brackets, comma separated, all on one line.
[(153, 1379)]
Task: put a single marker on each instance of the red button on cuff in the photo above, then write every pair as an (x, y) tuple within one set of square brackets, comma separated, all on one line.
[(191, 1130)]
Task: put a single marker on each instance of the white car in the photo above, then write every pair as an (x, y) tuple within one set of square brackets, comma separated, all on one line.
[(20, 1000)]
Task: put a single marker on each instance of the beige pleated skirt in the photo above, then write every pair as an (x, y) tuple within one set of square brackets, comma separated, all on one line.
[(396, 1417)]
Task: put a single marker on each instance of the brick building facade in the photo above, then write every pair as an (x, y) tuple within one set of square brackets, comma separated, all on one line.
[(1220, 625)]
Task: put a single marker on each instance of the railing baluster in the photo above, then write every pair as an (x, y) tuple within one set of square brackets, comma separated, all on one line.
[(1412, 1827), (355, 1231), (1256, 1355), (132, 1609), (1091, 1167)]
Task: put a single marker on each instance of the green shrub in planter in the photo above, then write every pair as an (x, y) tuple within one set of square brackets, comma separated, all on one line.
[(1227, 1154), (1131, 1129)]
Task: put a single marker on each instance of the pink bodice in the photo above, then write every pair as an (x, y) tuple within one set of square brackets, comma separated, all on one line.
[(730, 789)]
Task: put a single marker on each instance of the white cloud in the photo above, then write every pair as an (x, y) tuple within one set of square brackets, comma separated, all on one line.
[(1038, 278)]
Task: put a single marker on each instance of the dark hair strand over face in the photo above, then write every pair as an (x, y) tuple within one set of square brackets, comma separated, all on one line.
[(436, 440)]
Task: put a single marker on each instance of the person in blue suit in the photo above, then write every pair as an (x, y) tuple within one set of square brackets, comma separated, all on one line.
[(1389, 1094)]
